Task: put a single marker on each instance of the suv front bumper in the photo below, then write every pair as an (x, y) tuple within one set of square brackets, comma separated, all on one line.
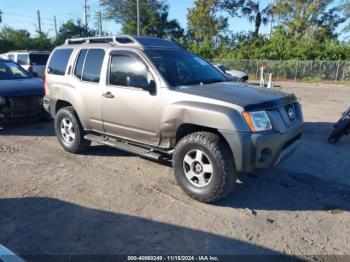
[(262, 150)]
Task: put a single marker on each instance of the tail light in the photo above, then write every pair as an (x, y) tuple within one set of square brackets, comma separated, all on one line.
[(30, 70)]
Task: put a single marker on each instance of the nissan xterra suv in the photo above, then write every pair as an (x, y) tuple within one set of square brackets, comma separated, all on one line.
[(150, 97)]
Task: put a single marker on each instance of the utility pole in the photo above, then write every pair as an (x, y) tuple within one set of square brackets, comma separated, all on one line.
[(270, 28), (39, 21), (99, 22), (55, 21), (138, 17), (86, 9)]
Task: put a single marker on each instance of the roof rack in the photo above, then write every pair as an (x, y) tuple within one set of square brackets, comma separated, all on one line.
[(124, 40)]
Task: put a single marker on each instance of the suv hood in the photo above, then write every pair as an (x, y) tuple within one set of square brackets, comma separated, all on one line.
[(250, 97), (21, 87)]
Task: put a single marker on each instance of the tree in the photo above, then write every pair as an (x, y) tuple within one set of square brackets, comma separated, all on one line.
[(154, 17), (232, 6), (308, 18), (205, 25), (0, 16), (72, 29), (346, 9), (15, 39), (256, 14)]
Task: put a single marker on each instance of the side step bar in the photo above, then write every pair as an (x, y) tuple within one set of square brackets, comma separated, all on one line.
[(134, 149)]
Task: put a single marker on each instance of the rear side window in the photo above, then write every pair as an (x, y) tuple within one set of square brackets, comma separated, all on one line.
[(23, 59), (38, 59), (92, 65), (59, 61), (80, 63)]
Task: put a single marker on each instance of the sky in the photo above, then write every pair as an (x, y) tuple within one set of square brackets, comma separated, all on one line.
[(22, 14)]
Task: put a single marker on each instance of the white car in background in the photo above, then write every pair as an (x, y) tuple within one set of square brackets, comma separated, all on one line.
[(32, 61), (235, 74)]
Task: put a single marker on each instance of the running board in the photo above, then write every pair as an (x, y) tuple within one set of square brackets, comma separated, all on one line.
[(138, 150)]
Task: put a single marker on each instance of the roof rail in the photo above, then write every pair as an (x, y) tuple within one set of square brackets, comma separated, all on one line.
[(124, 40), (120, 40)]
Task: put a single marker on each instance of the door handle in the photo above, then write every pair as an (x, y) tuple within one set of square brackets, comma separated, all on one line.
[(108, 95)]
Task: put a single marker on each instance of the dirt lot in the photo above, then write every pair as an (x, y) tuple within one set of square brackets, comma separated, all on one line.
[(110, 202)]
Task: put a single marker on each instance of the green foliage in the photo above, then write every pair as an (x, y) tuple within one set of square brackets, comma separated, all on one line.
[(204, 23), (253, 10), (154, 19), (11, 39), (308, 17), (72, 29)]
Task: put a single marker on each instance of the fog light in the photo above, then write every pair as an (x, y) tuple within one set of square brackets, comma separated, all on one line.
[(265, 155)]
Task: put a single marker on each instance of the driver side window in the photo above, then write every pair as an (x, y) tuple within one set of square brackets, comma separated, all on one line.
[(126, 67)]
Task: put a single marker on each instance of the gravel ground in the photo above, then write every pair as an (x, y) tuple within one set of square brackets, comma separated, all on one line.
[(110, 202)]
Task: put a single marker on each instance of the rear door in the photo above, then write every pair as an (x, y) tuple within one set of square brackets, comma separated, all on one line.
[(86, 77)]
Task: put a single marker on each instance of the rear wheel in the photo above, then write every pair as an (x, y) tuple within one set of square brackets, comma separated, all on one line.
[(204, 166), (69, 131)]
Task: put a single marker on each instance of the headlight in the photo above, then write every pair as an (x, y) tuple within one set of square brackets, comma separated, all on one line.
[(2, 101), (257, 121)]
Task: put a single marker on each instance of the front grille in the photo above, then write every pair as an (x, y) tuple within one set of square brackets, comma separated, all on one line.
[(25, 106)]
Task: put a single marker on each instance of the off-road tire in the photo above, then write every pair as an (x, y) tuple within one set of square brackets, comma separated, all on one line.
[(80, 144), (224, 172)]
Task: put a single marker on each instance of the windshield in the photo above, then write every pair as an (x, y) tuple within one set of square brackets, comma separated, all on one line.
[(179, 68), (10, 70), (38, 59)]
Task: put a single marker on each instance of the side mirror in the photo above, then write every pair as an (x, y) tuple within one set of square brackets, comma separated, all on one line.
[(141, 82)]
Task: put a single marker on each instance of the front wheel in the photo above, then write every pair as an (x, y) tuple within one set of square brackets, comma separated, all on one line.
[(204, 166), (69, 131)]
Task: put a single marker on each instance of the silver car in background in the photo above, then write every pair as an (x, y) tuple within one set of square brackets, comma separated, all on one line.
[(233, 75), (34, 62)]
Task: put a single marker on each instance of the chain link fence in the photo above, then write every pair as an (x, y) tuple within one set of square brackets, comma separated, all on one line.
[(292, 69)]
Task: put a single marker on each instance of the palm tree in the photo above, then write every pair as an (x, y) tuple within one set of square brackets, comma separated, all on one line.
[(252, 10)]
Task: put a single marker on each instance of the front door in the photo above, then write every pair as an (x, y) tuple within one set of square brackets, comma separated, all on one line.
[(129, 110)]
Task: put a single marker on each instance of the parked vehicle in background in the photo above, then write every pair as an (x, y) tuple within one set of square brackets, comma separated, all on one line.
[(235, 74), (341, 128), (20, 93), (32, 61), (150, 97)]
